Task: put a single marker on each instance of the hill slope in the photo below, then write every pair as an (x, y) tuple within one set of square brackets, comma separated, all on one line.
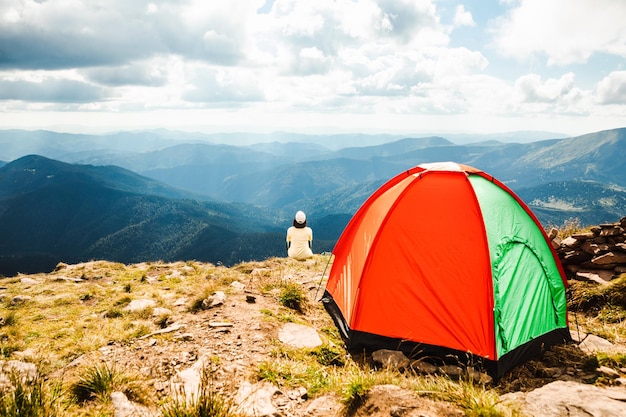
[(156, 326), (52, 212)]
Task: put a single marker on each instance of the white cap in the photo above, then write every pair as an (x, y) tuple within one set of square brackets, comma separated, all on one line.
[(300, 217)]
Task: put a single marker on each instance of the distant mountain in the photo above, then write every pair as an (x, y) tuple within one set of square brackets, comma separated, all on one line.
[(52, 211), (170, 195), (17, 143), (590, 202)]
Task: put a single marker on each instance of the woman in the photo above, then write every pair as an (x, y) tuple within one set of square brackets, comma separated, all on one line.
[(299, 238)]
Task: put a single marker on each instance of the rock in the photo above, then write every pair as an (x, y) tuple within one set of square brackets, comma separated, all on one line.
[(393, 359), (609, 258), (23, 370), (570, 242), (60, 266), (610, 230), (126, 408), (453, 371), (217, 299), (423, 367), (324, 406), (20, 299), (591, 344), (140, 305), (566, 399), (299, 336), (553, 233), (187, 383), (28, 281), (160, 311), (598, 276), (608, 372), (255, 400), (217, 324), (238, 286)]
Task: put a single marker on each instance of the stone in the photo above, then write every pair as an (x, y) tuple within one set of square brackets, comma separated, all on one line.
[(611, 230), (567, 398), (423, 367), (553, 233), (29, 281), (610, 258), (237, 286), (393, 359), (324, 406), (161, 311), (570, 242), (590, 343), (20, 299), (255, 400), (140, 305), (299, 336), (215, 300), (125, 408), (599, 276), (608, 372), (23, 370)]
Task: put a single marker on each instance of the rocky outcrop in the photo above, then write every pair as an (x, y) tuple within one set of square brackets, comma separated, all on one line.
[(598, 255)]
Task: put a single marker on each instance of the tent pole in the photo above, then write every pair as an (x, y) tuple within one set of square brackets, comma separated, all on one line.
[(323, 274)]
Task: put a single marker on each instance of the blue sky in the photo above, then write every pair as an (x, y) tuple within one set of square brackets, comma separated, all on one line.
[(324, 66)]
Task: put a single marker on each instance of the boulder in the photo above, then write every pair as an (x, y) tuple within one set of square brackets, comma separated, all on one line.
[(299, 336), (568, 398)]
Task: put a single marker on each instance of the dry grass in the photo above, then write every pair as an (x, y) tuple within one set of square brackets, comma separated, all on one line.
[(79, 309)]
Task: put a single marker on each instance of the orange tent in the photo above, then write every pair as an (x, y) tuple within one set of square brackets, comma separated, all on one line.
[(442, 260)]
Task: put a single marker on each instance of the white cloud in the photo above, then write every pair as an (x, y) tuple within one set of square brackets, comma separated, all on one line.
[(530, 88), (612, 88), (339, 61), (564, 31), (463, 17)]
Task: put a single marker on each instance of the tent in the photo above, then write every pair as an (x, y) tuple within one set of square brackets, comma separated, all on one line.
[(445, 261)]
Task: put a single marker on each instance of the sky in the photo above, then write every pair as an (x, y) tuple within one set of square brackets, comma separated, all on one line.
[(322, 66)]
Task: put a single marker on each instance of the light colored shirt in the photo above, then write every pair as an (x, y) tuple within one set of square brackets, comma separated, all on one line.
[(298, 242)]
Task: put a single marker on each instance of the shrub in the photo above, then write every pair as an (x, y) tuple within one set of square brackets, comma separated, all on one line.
[(292, 296), (31, 398), (99, 381)]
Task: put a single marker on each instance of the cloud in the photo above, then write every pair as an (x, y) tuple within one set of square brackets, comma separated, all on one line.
[(531, 89), (51, 91), (463, 17), (71, 34), (225, 87), (562, 31), (149, 73), (612, 88)]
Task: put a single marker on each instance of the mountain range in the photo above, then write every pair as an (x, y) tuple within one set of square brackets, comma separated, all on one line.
[(135, 196)]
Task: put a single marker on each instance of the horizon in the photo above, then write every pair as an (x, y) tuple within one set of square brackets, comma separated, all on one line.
[(366, 66)]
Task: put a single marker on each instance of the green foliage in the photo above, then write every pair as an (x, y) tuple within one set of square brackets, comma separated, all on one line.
[(354, 393), (31, 397), (292, 296), (124, 301), (615, 361), (114, 313), (476, 400), (328, 356), (98, 382), (590, 296), (9, 320)]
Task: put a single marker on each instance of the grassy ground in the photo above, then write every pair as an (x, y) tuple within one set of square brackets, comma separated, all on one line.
[(66, 321)]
